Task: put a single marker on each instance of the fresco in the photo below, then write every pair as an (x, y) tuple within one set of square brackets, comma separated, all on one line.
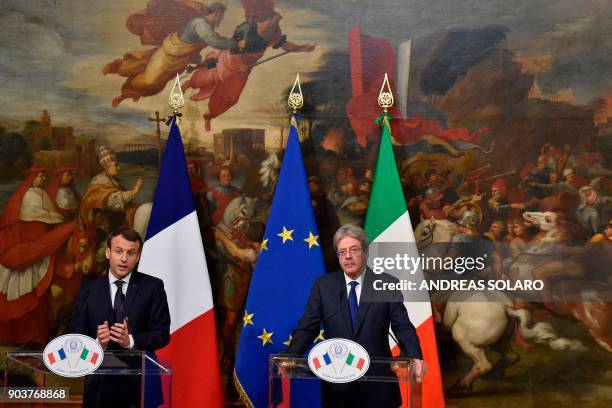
[(501, 108)]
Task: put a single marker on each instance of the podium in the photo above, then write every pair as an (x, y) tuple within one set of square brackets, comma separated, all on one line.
[(143, 377), (285, 371)]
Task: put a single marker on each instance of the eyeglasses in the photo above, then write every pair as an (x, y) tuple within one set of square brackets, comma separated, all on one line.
[(352, 250)]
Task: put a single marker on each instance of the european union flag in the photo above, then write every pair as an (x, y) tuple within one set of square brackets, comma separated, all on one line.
[(289, 262)]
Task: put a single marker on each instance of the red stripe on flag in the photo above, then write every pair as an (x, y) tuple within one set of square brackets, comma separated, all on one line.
[(433, 392), (316, 363), (51, 358), (196, 378), (94, 358), (360, 364), (431, 389)]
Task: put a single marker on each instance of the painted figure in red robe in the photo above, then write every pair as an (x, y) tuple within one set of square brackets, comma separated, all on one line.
[(226, 72), (32, 231)]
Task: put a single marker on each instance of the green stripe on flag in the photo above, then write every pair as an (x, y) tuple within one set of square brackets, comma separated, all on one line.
[(349, 359), (84, 353), (387, 202)]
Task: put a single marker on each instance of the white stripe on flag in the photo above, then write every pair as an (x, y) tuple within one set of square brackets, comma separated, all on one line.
[(176, 256), (401, 231)]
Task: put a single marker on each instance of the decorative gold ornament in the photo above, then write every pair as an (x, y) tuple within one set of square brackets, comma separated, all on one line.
[(296, 100), (176, 100), (385, 97)]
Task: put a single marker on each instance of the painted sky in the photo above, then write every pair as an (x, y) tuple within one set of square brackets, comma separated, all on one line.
[(53, 50)]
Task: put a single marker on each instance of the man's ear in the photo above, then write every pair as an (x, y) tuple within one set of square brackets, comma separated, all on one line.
[(107, 253)]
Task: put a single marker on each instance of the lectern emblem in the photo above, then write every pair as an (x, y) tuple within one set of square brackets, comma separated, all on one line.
[(338, 360), (73, 355)]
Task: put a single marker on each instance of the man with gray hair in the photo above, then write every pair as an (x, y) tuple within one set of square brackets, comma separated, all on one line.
[(347, 306)]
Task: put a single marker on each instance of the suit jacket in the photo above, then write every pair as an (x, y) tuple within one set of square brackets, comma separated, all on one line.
[(146, 308), (378, 310)]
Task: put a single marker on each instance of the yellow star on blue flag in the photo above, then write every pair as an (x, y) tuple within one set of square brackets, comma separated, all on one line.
[(312, 240), (265, 337), (320, 336), (247, 318), (286, 234), (264, 245)]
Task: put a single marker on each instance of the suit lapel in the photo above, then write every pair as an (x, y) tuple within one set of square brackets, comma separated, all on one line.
[(131, 292), (106, 304), (344, 309), (364, 305)]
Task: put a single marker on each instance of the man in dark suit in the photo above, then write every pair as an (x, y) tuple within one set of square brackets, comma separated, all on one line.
[(335, 304), (122, 310)]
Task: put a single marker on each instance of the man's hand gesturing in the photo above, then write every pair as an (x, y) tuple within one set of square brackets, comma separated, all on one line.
[(119, 333), (103, 334)]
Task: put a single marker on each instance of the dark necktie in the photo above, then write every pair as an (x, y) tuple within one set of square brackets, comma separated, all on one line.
[(118, 303), (353, 306)]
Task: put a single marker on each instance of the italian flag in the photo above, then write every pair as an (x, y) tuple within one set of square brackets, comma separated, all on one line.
[(355, 362), (387, 220), (88, 355)]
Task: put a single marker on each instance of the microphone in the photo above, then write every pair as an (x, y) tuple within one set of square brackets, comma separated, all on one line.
[(389, 332), (56, 325)]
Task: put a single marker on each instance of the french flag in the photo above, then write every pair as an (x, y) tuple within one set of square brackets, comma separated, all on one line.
[(173, 252), (324, 360), (57, 356)]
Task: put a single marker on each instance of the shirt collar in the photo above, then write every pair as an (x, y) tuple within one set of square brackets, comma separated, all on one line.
[(359, 280), (112, 279)]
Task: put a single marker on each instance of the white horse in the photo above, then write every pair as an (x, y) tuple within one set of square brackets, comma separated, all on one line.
[(481, 320), (436, 232), (237, 214), (432, 230)]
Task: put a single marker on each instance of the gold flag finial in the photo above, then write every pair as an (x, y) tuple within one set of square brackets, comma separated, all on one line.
[(296, 100), (176, 100), (385, 97)]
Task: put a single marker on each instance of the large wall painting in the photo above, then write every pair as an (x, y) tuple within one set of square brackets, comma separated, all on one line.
[(502, 108)]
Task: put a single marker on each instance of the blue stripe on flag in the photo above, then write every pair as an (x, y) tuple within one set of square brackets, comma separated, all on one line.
[(327, 359), (61, 353), (173, 178)]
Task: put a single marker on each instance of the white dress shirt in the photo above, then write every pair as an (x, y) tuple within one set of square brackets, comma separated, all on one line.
[(113, 287), (359, 280), (113, 292)]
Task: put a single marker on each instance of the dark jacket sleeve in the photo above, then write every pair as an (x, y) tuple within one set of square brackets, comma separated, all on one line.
[(404, 329), (308, 326), (78, 320), (158, 335)]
